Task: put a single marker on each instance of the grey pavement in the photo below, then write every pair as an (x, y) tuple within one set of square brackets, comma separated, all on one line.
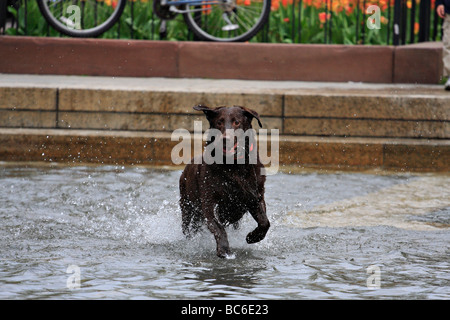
[(214, 85)]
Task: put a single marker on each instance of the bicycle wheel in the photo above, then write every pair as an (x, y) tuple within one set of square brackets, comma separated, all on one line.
[(81, 18), (227, 20)]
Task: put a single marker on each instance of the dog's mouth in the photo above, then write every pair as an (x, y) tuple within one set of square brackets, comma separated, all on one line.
[(237, 150), (229, 150)]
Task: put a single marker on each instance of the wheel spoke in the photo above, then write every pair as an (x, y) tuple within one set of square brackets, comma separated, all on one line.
[(249, 16), (81, 17)]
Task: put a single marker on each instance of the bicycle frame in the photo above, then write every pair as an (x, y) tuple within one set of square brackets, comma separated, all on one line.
[(191, 2), (174, 4)]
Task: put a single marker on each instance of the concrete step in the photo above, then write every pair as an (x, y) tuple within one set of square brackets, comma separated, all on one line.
[(130, 120), (155, 148), (158, 104)]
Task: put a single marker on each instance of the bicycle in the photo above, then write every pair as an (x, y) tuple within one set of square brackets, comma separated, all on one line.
[(209, 20)]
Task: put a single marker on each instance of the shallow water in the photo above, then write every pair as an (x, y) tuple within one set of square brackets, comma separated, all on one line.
[(120, 227)]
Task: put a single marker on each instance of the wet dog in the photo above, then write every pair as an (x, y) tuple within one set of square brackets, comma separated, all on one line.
[(219, 193)]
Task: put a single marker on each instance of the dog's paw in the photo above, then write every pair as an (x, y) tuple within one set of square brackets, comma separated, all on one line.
[(254, 237), (224, 253)]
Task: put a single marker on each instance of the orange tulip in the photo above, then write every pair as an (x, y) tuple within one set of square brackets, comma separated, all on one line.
[(275, 5), (324, 17)]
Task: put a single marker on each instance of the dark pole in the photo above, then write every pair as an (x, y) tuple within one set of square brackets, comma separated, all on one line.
[(412, 23), (424, 20), (403, 22), (396, 26), (3, 11)]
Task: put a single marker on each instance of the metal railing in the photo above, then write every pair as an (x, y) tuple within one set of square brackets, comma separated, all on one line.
[(292, 21)]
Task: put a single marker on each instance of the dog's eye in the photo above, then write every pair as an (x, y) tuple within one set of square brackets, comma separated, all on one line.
[(219, 122), (236, 122)]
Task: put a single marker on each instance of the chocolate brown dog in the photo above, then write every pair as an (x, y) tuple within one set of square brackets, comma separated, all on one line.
[(220, 194)]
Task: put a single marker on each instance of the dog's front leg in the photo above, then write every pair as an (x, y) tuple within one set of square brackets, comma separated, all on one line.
[(259, 214), (217, 229)]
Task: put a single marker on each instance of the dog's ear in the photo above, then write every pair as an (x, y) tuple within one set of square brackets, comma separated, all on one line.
[(207, 110), (251, 114), (203, 108)]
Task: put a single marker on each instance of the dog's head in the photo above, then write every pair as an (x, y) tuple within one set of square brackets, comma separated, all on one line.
[(235, 117), (233, 123)]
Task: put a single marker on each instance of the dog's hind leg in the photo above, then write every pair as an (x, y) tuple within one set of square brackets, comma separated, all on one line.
[(190, 219), (186, 217)]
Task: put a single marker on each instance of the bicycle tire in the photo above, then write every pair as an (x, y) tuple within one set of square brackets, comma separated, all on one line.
[(194, 22), (94, 31)]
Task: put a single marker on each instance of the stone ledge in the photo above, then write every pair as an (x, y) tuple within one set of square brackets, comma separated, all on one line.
[(336, 111), (255, 61), (154, 148), (417, 63)]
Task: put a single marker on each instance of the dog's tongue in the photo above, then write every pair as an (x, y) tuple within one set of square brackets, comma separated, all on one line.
[(230, 151)]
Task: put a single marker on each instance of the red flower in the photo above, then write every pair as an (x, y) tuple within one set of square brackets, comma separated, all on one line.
[(416, 27), (324, 17)]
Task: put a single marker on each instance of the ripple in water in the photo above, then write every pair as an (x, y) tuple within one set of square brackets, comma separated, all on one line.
[(121, 227)]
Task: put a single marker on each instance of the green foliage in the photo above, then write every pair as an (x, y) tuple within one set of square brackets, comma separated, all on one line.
[(286, 25), (30, 20), (285, 28)]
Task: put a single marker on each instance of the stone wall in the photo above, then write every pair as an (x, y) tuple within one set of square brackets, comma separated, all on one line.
[(419, 63)]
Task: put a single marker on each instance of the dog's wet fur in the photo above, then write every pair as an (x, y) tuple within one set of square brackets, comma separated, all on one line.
[(220, 194)]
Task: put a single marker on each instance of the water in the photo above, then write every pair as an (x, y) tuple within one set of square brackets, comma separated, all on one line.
[(120, 226)]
